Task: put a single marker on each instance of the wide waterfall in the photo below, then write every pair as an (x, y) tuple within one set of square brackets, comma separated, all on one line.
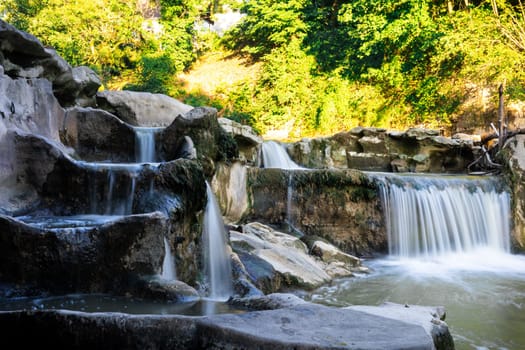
[(430, 216), (217, 262), (274, 156)]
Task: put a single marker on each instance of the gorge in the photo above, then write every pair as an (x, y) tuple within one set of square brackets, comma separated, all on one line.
[(107, 210)]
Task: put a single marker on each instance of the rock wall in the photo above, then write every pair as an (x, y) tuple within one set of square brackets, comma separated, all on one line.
[(374, 149), (341, 206)]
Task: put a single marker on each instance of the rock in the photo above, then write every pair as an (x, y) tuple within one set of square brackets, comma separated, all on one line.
[(211, 142), (97, 135), (142, 108), (271, 301), (513, 156), (69, 259), (274, 259), (341, 206), (230, 188), (71, 86), (158, 289), (245, 137), (298, 326), (328, 254)]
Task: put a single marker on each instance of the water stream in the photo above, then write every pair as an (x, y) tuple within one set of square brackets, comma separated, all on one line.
[(275, 156), (217, 264), (448, 246)]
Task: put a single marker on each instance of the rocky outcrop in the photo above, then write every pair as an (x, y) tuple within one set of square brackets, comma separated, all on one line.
[(68, 258), (97, 135), (230, 186), (23, 56), (299, 326), (342, 206), (274, 260), (374, 149), (200, 125), (514, 157), (247, 140), (142, 108)]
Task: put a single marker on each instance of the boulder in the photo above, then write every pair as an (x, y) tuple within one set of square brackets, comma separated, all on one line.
[(65, 258), (142, 108), (274, 259), (23, 56), (97, 135), (245, 137)]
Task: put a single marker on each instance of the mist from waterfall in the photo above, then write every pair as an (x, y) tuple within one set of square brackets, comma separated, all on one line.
[(217, 264), (274, 155), (432, 216)]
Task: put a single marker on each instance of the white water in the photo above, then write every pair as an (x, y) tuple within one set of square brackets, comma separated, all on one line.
[(217, 264), (145, 144), (169, 271), (275, 156), (431, 216)]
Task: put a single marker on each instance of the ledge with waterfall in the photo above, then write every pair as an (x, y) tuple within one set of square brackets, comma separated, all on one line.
[(130, 220)]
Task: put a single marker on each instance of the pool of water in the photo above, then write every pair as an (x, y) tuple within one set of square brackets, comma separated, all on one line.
[(483, 295), (108, 303)]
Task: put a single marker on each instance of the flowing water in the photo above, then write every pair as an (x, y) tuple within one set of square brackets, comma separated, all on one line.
[(274, 156), (169, 271), (217, 264), (145, 144), (448, 246)]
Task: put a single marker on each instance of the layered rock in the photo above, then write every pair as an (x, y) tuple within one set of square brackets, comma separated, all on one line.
[(374, 149), (342, 206), (274, 260)]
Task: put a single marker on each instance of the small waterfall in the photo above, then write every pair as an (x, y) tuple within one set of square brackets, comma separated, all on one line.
[(430, 216), (169, 271), (145, 144), (275, 156), (217, 262)]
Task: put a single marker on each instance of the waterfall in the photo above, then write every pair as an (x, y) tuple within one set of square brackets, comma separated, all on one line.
[(275, 156), (169, 271), (217, 262), (145, 144), (430, 216)]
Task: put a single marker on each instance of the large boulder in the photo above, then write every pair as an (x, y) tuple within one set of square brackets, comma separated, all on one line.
[(274, 260), (247, 140), (23, 56), (69, 259), (142, 108)]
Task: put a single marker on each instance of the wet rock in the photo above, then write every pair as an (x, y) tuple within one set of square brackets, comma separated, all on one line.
[(69, 259), (294, 326), (142, 108), (158, 289), (271, 301)]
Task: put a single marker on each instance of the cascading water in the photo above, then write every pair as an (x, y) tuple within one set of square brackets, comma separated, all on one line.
[(168, 265), (429, 216), (145, 144), (216, 257), (274, 156)]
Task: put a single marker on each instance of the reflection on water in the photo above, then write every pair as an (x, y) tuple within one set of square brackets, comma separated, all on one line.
[(107, 303), (484, 297)]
